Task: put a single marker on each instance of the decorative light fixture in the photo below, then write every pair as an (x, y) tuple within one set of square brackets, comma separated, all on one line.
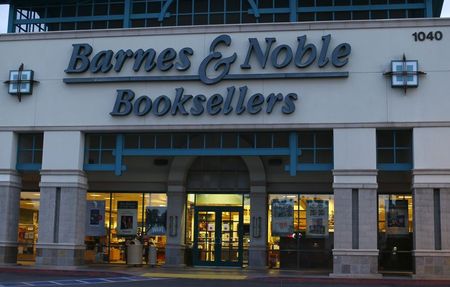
[(20, 82), (404, 73)]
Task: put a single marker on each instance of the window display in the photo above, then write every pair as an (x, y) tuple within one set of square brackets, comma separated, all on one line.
[(125, 218), (395, 232), (28, 225), (301, 229)]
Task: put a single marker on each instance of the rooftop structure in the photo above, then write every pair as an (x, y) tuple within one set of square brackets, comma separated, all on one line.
[(57, 15)]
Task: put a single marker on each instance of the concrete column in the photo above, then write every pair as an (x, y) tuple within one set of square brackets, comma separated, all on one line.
[(258, 228), (63, 201), (431, 223), (176, 211), (355, 252), (431, 188), (10, 187)]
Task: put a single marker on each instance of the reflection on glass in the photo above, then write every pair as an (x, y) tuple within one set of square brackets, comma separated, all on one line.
[(28, 225), (230, 237), (139, 218), (206, 236), (395, 232), (311, 242)]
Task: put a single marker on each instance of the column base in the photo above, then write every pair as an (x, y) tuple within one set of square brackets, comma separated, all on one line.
[(354, 263), (60, 255), (432, 263), (8, 254), (257, 258), (175, 256)]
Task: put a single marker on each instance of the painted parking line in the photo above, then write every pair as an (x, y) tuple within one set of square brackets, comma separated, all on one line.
[(86, 281), (206, 276)]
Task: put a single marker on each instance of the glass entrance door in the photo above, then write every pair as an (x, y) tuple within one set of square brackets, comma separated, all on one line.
[(218, 236)]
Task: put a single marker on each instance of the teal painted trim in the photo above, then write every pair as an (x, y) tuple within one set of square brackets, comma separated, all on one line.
[(164, 9), (395, 166), (68, 19), (429, 8), (349, 8), (271, 11), (118, 154), (28, 166), (144, 16), (255, 10), (11, 19), (361, 8), (293, 153), (311, 167), (126, 14), (207, 152), (99, 167), (293, 10)]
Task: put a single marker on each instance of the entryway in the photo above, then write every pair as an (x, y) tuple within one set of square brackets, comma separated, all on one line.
[(218, 236)]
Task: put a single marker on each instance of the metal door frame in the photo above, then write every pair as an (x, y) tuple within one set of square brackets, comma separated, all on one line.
[(218, 233)]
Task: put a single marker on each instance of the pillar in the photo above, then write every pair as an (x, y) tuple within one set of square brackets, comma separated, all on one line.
[(431, 197), (258, 227), (10, 187), (63, 201), (355, 252), (176, 211), (258, 213)]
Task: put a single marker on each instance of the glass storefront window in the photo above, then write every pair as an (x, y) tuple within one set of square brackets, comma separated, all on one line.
[(28, 225), (97, 229), (155, 224), (246, 243), (300, 231), (395, 232), (126, 223), (126, 216)]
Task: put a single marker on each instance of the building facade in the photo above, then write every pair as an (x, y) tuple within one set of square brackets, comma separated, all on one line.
[(315, 145)]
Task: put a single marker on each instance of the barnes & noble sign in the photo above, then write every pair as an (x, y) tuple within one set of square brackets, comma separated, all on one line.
[(214, 68)]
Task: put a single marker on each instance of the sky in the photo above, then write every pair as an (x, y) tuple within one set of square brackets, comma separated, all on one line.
[(4, 15)]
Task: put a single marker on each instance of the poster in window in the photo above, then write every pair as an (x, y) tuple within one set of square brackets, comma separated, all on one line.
[(155, 220), (127, 218), (95, 219), (396, 217), (282, 217), (317, 218)]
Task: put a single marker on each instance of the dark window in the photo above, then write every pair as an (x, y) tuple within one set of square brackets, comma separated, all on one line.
[(394, 149), (29, 149)]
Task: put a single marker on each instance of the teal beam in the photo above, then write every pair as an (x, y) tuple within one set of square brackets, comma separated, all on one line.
[(68, 19), (254, 8), (164, 10), (207, 152), (293, 10), (11, 18), (429, 8), (126, 14), (293, 153), (118, 154)]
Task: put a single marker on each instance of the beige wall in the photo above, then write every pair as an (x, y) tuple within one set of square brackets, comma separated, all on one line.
[(364, 98)]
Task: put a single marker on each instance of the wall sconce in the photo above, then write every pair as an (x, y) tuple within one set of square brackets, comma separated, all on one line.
[(404, 73), (256, 227), (20, 82), (173, 226)]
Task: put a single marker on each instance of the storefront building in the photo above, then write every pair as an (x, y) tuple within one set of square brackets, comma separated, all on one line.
[(321, 143)]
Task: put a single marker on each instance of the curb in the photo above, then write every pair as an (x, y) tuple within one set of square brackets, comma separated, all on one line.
[(67, 272), (365, 282)]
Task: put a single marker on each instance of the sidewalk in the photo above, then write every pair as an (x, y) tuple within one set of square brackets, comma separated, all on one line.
[(201, 273)]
